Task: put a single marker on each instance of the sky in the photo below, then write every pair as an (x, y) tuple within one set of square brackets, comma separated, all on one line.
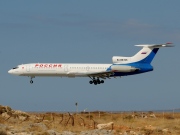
[(93, 31)]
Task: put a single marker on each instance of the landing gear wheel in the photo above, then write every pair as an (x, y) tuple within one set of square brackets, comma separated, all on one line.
[(91, 82), (102, 81), (95, 81), (31, 81), (98, 81)]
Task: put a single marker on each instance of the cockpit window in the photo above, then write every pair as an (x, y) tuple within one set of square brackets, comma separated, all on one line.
[(15, 67)]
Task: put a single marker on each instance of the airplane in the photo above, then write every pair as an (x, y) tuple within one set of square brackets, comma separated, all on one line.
[(121, 66)]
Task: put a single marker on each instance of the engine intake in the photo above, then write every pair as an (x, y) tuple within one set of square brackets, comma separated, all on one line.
[(119, 59)]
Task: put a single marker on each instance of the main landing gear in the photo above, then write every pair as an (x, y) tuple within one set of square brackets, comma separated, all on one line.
[(96, 81)]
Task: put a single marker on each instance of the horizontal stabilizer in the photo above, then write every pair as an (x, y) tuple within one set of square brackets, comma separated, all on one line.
[(156, 45)]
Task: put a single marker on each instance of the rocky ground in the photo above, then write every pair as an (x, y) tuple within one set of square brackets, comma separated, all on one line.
[(14, 122)]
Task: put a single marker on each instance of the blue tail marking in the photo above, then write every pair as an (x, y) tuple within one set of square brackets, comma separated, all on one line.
[(150, 57)]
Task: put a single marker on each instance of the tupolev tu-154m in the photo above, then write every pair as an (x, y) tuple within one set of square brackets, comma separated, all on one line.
[(121, 66)]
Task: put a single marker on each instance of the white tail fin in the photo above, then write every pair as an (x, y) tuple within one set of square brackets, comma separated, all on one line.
[(148, 52), (145, 55)]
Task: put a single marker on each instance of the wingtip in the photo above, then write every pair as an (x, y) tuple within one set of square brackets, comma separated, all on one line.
[(169, 43)]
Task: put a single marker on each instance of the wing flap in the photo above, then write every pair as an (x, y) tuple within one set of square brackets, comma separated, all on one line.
[(103, 75)]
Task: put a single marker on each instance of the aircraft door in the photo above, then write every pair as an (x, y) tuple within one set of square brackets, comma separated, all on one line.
[(28, 68), (87, 68), (66, 68)]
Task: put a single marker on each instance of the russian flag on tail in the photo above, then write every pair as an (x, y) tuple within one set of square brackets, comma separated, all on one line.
[(143, 52)]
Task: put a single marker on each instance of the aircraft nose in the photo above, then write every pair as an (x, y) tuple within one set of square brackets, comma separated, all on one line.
[(10, 71)]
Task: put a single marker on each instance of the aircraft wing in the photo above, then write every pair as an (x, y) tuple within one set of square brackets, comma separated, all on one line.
[(103, 75)]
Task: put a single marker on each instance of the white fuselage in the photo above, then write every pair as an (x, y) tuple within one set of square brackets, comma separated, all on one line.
[(58, 69), (121, 66)]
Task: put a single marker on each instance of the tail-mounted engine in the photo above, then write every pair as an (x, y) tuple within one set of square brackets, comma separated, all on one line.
[(119, 59), (123, 68)]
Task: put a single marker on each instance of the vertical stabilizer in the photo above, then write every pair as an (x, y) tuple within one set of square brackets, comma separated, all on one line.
[(145, 55), (148, 52)]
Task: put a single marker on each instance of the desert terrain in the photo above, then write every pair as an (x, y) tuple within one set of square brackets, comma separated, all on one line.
[(15, 122)]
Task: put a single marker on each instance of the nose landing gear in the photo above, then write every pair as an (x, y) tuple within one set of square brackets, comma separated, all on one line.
[(31, 81)]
